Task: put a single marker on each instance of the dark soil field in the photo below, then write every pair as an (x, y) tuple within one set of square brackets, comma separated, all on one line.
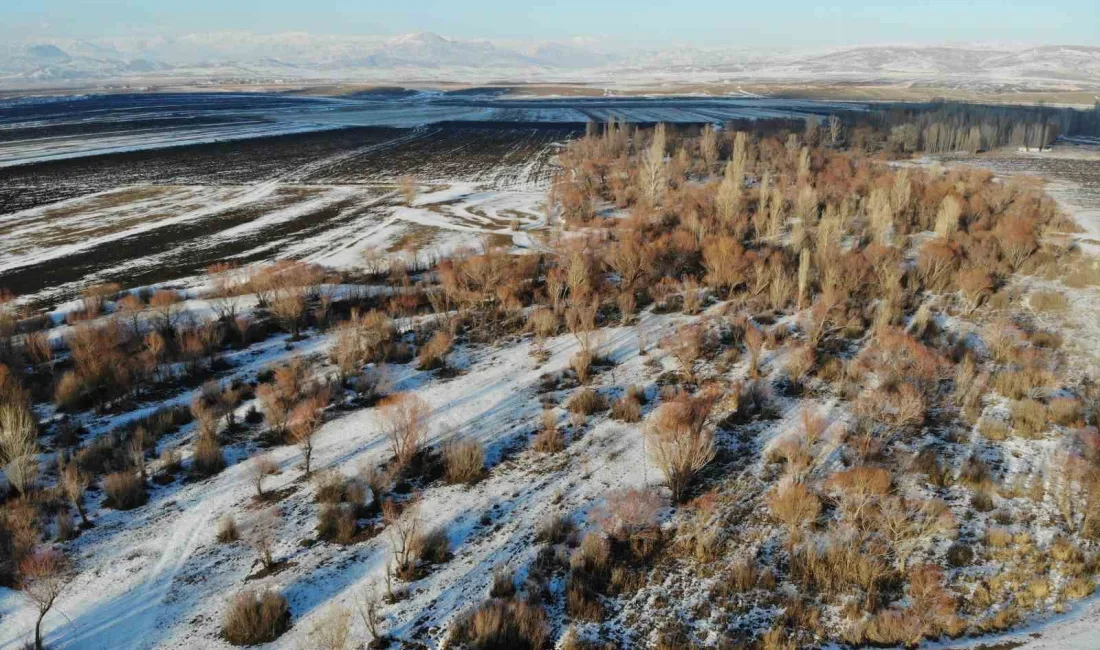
[(357, 167)]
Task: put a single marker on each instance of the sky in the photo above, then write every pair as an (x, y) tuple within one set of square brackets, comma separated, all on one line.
[(638, 23)]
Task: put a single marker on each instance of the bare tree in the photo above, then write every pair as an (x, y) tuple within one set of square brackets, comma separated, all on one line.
[(44, 576), (835, 129), (654, 175), (708, 147), (305, 420), (403, 526), (681, 440), (405, 422), (407, 186), (370, 610), (260, 468), (74, 483), (259, 533), (18, 445)]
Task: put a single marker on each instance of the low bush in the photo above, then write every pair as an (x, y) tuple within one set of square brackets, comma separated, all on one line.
[(549, 439), (628, 408), (433, 354), (1029, 418), (554, 530), (208, 458), (227, 530), (587, 401), (1047, 301), (255, 617), (125, 491), (336, 523), (463, 461), (503, 624)]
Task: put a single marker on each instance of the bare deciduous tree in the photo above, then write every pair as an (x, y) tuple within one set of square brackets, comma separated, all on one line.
[(405, 422), (18, 445), (259, 533), (74, 483), (408, 187), (680, 439), (708, 147), (44, 575), (304, 422), (260, 468)]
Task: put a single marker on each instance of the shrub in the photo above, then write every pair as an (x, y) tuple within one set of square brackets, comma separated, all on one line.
[(998, 537), (171, 461), (993, 429), (1065, 411), (463, 461), (1029, 417), (125, 491), (581, 363), (1018, 384), (503, 585), (503, 624), (681, 439), (332, 630), (589, 571), (549, 439), (405, 422), (227, 529), (433, 354), (894, 627), (794, 504), (554, 530), (208, 458), (336, 523), (1080, 588), (1047, 301), (255, 617), (587, 401), (331, 485), (434, 546), (627, 409)]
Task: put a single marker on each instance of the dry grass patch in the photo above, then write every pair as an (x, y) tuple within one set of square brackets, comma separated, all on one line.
[(255, 617), (125, 491), (1047, 300), (463, 461), (587, 401), (503, 624)]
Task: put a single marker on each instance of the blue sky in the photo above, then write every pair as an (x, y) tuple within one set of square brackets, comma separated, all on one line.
[(782, 23)]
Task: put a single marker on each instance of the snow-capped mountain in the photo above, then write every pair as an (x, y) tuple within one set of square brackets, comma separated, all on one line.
[(216, 55)]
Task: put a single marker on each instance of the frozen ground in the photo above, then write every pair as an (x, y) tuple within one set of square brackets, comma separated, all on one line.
[(155, 577), (68, 127), (326, 205), (1071, 171)]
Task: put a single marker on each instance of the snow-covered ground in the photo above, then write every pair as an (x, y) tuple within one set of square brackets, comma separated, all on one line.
[(156, 577)]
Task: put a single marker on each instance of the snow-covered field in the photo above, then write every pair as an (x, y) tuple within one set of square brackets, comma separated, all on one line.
[(328, 209), (29, 133), (156, 577)]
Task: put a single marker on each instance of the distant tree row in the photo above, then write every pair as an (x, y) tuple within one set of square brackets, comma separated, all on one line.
[(941, 127)]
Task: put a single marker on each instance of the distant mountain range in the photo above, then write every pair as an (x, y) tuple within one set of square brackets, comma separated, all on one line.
[(425, 56)]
